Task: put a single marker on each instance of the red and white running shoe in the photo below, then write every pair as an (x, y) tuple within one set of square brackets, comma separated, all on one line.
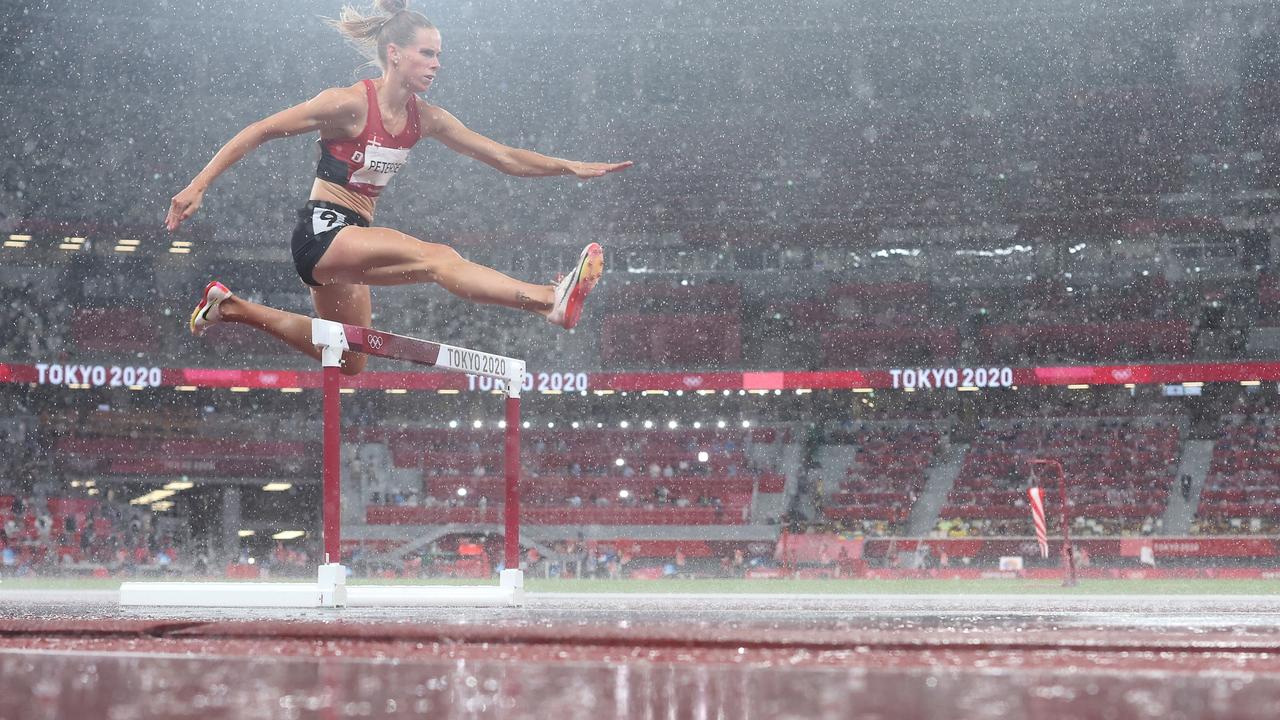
[(207, 312), (572, 290)]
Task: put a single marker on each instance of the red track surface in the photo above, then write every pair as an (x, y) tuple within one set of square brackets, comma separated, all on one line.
[(235, 668)]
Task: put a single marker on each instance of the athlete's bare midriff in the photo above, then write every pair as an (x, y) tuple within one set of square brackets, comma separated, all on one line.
[(334, 193)]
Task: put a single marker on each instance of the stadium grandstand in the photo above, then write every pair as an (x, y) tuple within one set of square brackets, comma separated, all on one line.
[(858, 223), (939, 332)]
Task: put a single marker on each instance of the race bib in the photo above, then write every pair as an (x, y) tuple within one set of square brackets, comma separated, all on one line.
[(380, 165), (324, 220)]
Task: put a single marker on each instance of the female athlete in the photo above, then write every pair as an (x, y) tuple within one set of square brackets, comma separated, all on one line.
[(366, 131)]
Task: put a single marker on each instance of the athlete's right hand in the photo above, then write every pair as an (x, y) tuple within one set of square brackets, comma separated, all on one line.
[(182, 206)]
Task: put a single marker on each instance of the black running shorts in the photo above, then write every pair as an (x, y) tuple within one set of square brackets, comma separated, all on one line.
[(318, 223)]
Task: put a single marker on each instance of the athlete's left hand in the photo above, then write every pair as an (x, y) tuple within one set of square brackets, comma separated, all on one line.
[(586, 170)]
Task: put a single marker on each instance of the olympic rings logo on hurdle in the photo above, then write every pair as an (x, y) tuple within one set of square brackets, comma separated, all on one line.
[(373, 341)]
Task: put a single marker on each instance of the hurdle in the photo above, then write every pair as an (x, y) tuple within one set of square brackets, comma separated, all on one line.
[(330, 589)]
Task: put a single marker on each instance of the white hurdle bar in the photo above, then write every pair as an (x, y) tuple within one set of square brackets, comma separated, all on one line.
[(330, 588)]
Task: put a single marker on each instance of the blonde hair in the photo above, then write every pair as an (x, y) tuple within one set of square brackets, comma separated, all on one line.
[(370, 34)]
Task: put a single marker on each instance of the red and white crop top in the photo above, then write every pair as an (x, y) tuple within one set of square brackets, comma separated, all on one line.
[(366, 163)]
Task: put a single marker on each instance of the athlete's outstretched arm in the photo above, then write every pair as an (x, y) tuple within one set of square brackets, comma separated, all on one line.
[(446, 128), (330, 109)]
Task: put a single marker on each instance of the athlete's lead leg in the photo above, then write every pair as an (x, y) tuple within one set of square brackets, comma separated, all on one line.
[(382, 256)]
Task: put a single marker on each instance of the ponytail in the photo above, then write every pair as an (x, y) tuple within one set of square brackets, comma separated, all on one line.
[(370, 34)]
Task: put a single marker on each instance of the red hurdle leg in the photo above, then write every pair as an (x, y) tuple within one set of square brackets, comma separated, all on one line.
[(512, 457), (332, 506)]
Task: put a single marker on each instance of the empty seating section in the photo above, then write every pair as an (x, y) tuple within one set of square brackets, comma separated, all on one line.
[(201, 458), (670, 340), (576, 477), (850, 347), (1120, 473), (908, 322), (68, 530), (1242, 490), (668, 324), (874, 323), (114, 331), (1170, 339), (886, 477)]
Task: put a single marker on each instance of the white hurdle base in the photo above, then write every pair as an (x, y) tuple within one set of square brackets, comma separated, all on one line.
[(508, 593), (329, 591)]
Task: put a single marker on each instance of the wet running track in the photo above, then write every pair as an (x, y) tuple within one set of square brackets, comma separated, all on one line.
[(658, 656)]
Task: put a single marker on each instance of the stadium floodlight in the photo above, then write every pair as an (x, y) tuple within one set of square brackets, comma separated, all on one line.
[(620, 462), (624, 494), (702, 456), (746, 423), (462, 492), (648, 424), (151, 497), (720, 424), (453, 424), (288, 535), (624, 424), (276, 486), (246, 533), (477, 424), (672, 424), (697, 425)]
